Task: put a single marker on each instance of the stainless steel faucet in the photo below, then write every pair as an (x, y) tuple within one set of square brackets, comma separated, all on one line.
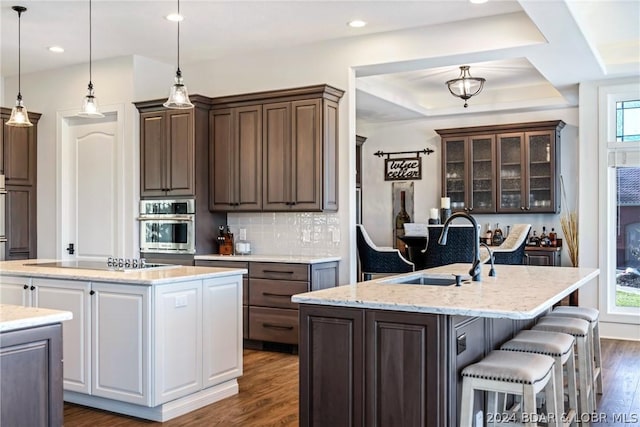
[(475, 272)]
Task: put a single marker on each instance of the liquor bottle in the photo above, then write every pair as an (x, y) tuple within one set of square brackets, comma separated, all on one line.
[(401, 218), (553, 237), (498, 238), (488, 235), (534, 240), (544, 239)]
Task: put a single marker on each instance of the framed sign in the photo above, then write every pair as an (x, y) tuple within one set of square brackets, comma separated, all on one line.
[(403, 169)]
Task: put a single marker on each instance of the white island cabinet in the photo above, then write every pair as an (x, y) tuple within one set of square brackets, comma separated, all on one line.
[(153, 344)]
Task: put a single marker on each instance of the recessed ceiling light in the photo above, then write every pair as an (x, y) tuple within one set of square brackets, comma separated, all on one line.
[(174, 17), (478, 1), (356, 23), (56, 49)]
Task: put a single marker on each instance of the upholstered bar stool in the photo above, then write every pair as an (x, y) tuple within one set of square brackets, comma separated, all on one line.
[(560, 347), (579, 329), (591, 315), (510, 372)]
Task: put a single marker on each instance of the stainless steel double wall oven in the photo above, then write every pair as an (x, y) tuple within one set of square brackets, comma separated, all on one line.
[(167, 226)]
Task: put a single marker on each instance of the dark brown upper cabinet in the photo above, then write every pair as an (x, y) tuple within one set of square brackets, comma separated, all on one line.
[(297, 146), (167, 153), (235, 159), (513, 168), (360, 140)]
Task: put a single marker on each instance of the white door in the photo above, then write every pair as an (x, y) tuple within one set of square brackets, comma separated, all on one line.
[(90, 182)]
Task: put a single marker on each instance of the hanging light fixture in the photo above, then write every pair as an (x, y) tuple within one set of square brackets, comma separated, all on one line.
[(19, 116), (90, 103), (178, 97), (465, 86)]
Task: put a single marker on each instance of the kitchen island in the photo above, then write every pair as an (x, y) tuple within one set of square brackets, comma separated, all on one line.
[(385, 353), (153, 343), (31, 365)]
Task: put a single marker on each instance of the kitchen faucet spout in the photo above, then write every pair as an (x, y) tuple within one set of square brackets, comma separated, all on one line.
[(475, 271)]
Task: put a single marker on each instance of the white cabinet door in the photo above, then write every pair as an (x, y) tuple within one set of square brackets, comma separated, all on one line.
[(15, 290), (71, 296), (178, 340), (120, 359), (222, 330)]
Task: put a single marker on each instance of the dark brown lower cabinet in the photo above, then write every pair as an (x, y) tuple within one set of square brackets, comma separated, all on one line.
[(362, 367), (31, 372)]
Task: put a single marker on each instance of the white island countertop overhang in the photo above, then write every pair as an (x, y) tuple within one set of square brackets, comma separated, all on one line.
[(159, 276), (517, 292)]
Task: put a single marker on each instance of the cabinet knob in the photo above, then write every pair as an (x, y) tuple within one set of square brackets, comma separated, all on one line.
[(527, 208), (33, 288), (470, 209), (25, 287), (92, 292), (521, 208)]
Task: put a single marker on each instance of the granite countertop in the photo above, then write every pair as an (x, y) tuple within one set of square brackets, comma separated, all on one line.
[(14, 317), (517, 292), (294, 259), (170, 274)]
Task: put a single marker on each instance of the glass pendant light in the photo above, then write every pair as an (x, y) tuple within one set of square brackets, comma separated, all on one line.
[(19, 116), (178, 97), (90, 103)]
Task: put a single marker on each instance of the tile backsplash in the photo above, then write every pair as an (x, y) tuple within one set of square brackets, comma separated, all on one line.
[(289, 233)]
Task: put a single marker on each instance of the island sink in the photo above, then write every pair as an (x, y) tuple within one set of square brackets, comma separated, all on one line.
[(422, 279)]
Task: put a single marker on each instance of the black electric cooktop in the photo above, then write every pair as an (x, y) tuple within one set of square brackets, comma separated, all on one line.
[(97, 265)]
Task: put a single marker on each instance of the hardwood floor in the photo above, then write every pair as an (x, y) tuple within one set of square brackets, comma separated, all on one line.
[(269, 395)]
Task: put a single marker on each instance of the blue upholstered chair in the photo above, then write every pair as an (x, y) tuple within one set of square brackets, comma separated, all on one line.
[(459, 247), (511, 251), (378, 260)]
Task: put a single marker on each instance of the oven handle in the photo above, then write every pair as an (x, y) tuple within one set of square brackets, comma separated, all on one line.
[(181, 218)]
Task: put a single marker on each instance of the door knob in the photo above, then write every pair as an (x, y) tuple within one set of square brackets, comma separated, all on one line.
[(70, 249)]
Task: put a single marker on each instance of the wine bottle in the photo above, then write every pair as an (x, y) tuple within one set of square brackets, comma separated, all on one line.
[(498, 238), (488, 235), (402, 217), (534, 240), (544, 239), (553, 237)]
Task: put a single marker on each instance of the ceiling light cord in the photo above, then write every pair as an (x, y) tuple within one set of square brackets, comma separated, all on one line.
[(19, 55), (178, 72), (90, 51)]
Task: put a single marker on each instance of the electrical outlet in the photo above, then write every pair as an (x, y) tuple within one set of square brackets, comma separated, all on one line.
[(335, 235), (181, 301)]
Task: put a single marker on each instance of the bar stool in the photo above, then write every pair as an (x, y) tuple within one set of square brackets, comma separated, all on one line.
[(579, 329), (510, 372), (560, 347), (590, 315)]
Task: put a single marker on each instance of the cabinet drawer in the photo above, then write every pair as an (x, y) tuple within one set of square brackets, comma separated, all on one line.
[(222, 264), (275, 293), (281, 271), (273, 324)]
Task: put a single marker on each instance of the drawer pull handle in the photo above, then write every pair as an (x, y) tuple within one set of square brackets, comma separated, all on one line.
[(278, 271), (269, 294), (269, 325)]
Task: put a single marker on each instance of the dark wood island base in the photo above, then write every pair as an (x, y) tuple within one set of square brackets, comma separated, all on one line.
[(364, 367)]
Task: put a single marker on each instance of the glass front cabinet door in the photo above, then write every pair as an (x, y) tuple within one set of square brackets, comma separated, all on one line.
[(510, 168), (469, 165)]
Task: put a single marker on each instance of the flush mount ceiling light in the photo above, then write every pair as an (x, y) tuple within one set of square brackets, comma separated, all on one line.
[(56, 49), (465, 86), (90, 103), (356, 23), (19, 116), (179, 96)]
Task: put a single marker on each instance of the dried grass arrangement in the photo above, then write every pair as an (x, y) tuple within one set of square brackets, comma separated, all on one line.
[(569, 223)]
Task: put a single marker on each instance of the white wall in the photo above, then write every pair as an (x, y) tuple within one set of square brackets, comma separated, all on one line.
[(420, 134)]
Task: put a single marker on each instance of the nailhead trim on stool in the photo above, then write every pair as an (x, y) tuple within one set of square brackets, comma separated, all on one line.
[(509, 372), (559, 346), (591, 315), (580, 330)]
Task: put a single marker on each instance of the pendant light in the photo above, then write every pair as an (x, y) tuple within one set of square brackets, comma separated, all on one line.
[(19, 116), (465, 86), (90, 103), (178, 97)]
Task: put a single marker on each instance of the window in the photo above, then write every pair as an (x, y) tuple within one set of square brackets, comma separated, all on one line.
[(628, 121)]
